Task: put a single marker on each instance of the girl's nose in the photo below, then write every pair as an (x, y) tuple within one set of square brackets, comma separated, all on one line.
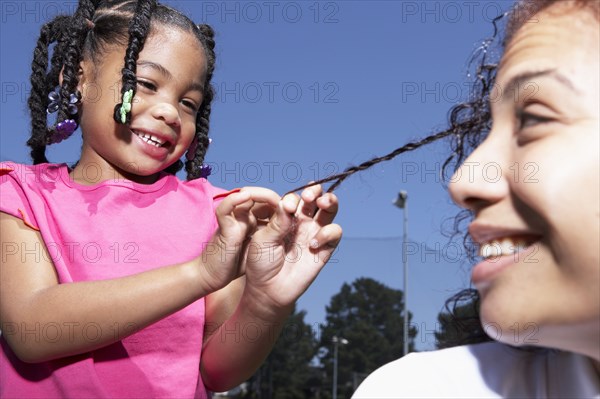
[(481, 180), (166, 113)]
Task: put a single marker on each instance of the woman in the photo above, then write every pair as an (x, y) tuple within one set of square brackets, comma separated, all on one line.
[(532, 188)]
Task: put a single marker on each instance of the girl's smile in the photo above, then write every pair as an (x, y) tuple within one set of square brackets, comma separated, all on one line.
[(151, 144), (164, 109)]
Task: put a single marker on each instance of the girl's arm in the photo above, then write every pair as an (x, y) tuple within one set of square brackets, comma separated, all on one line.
[(31, 297), (281, 262)]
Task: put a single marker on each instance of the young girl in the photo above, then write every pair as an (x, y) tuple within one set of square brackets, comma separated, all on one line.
[(118, 279), (536, 223)]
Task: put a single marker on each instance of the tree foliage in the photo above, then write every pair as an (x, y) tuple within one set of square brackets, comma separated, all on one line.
[(287, 372), (369, 315)]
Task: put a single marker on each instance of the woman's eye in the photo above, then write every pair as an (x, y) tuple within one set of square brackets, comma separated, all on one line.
[(147, 85), (527, 119)]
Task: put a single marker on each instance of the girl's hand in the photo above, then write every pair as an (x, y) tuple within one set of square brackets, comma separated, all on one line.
[(238, 216), (285, 257)]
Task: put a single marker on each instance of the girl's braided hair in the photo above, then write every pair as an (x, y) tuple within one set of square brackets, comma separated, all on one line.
[(87, 34)]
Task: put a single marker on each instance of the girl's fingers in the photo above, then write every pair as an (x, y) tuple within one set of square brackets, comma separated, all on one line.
[(290, 203), (263, 211), (328, 208), (243, 210), (328, 236), (262, 195), (248, 205), (308, 206), (227, 206), (243, 214), (282, 220)]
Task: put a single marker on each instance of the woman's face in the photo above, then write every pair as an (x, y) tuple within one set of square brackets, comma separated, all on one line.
[(533, 185)]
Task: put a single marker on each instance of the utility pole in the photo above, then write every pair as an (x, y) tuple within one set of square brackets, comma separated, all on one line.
[(401, 202)]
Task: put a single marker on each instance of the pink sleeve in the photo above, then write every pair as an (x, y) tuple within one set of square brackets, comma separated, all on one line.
[(13, 198)]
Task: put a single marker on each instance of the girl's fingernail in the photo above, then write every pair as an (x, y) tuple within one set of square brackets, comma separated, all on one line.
[(314, 243), (288, 201)]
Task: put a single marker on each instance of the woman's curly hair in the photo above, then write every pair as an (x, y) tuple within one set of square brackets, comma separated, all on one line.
[(469, 124)]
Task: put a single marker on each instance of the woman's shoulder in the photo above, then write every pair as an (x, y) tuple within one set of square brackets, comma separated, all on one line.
[(424, 374), (488, 369)]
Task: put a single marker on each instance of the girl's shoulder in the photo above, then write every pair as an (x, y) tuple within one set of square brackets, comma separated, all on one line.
[(23, 188), (17, 176), (217, 193), (31, 173)]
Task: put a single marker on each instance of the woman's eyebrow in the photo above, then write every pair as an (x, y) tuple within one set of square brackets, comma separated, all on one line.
[(525, 79), (165, 72)]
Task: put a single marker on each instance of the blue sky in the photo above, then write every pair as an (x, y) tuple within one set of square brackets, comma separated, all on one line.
[(308, 88)]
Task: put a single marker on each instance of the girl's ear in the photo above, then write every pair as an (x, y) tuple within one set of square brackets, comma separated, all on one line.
[(80, 75), (83, 74)]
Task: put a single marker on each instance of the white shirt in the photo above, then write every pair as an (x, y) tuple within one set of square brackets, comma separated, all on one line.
[(488, 370)]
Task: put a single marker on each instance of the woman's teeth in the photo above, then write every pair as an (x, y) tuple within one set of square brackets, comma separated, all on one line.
[(150, 139), (504, 246)]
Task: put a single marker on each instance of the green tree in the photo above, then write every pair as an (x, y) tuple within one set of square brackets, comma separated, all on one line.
[(287, 372), (369, 315)]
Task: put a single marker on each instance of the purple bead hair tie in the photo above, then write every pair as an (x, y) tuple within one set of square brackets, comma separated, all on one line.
[(205, 170), (54, 98), (63, 131)]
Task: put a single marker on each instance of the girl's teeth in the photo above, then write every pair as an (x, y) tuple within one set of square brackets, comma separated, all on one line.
[(150, 139)]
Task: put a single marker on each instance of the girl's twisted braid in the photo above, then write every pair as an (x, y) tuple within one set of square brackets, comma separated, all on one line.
[(69, 35), (41, 85), (193, 166), (138, 32)]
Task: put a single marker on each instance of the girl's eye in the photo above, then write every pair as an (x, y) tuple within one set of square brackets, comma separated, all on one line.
[(191, 105), (147, 85)]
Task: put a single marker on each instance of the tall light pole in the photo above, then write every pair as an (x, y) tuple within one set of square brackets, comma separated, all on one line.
[(336, 341), (401, 203)]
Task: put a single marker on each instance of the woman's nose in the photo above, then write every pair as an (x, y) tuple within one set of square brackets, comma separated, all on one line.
[(481, 180)]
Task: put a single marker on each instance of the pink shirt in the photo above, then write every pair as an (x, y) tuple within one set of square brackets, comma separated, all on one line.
[(109, 230)]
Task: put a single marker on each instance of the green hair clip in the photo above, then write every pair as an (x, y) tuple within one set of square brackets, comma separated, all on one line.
[(126, 106)]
